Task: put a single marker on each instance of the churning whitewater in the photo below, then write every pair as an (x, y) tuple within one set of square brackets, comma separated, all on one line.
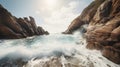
[(54, 50)]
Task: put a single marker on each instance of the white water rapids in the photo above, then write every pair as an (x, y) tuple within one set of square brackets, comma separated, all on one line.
[(35, 51)]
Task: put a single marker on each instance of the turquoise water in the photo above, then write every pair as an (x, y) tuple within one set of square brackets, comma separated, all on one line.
[(53, 45)]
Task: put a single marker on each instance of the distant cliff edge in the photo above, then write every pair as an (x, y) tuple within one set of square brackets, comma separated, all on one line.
[(103, 30), (15, 28)]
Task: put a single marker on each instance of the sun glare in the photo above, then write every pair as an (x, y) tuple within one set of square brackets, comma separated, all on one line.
[(51, 3)]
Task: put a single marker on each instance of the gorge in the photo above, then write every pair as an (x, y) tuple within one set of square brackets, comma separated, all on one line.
[(91, 40)]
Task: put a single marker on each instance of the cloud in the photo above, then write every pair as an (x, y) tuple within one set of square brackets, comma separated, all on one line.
[(37, 12), (52, 15), (57, 19)]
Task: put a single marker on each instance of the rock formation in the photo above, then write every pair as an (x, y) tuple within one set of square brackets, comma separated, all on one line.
[(85, 17), (14, 28), (103, 31)]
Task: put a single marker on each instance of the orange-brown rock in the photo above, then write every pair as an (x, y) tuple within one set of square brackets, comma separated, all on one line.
[(115, 34), (106, 33), (94, 46), (85, 17), (103, 19), (112, 54)]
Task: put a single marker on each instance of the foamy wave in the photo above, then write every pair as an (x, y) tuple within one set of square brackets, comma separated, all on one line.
[(37, 51)]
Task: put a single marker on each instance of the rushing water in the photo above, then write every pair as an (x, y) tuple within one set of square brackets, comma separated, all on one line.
[(36, 51)]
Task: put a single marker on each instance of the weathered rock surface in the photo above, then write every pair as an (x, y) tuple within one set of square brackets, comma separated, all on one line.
[(85, 17), (14, 28), (112, 54), (103, 31)]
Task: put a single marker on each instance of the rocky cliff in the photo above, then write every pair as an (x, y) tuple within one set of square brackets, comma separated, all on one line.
[(14, 28), (103, 31)]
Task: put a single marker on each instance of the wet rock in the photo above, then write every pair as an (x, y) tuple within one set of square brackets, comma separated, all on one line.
[(53, 62), (57, 62), (112, 54), (71, 65), (106, 33), (7, 62), (103, 19), (94, 46)]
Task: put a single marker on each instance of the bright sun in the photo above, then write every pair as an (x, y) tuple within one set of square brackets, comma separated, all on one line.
[(51, 3)]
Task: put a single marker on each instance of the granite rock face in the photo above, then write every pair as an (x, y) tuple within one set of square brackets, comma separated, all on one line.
[(103, 31), (14, 28)]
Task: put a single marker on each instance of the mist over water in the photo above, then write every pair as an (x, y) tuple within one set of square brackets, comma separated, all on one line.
[(34, 50)]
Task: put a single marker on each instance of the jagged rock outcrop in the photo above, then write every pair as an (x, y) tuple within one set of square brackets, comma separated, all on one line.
[(85, 17), (14, 28), (103, 31)]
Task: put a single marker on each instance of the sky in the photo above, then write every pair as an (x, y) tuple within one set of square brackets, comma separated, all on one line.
[(53, 15)]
